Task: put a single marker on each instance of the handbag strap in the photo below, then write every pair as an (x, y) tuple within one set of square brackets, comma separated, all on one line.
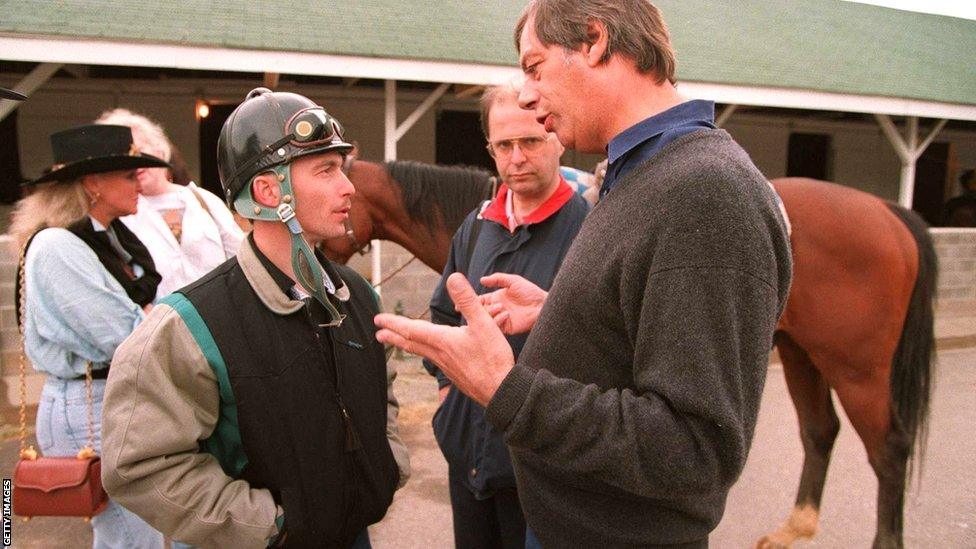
[(206, 208), (203, 204), (28, 451)]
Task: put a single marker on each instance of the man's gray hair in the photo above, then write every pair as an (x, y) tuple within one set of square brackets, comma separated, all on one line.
[(635, 29)]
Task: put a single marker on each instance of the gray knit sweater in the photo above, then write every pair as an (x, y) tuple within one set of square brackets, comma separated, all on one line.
[(632, 407)]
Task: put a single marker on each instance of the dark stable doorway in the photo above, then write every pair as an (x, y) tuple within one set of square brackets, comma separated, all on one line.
[(809, 156), (209, 132), (461, 141), (932, 183), (10, 176)]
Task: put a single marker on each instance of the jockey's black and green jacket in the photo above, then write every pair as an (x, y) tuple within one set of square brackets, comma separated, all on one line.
[(230, 412)]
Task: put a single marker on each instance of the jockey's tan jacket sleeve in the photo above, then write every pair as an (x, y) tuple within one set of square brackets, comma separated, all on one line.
[(161, 400), (400, 452)]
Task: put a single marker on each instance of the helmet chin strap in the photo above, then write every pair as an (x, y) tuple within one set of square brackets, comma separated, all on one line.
[(308, 271)]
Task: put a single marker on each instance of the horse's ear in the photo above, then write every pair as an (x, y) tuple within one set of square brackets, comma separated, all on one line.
[(265, 190)]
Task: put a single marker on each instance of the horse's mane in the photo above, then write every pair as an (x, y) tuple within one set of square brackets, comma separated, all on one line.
[(451, 190)]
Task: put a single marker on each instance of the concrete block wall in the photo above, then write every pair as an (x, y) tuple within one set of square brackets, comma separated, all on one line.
[(957, 267), (10, 345), (411, 287)]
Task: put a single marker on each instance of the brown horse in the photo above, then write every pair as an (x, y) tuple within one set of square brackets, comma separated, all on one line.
[(416, 205), (859, 318)]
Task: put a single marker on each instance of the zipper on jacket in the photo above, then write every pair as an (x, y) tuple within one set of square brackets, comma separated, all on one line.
[(352, 442), (352, 437)]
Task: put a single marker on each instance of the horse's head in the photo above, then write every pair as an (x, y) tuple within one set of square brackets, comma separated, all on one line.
[(416, 205)]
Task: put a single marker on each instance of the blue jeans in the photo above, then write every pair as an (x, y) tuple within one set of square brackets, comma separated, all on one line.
[(62, 430)]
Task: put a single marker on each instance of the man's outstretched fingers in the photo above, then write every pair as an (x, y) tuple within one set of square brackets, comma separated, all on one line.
[(410, 338), (389, 337), (467, 302), (499, 280), (489, 298), (395, 323)]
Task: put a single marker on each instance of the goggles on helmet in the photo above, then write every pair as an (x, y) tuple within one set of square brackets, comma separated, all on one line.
[(310, 127)]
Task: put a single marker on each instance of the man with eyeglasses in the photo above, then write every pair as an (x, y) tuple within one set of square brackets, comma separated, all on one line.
[(525, 230), (254, 408)]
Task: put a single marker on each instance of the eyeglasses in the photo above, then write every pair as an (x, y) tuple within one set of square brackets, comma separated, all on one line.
[(503, 148), (312, 126)]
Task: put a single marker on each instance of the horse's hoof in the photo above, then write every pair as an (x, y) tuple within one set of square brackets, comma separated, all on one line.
[(887, 542)]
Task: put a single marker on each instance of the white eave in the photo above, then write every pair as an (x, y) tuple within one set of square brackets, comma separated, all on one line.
[(790, 98), (107, 52)]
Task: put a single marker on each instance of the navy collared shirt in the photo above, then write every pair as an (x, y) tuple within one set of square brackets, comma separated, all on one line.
[(638, 143)]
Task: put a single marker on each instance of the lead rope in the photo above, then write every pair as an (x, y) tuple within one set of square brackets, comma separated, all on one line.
[(391, 275)]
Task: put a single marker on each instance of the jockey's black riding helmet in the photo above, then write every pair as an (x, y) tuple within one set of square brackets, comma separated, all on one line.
[(270, 129)]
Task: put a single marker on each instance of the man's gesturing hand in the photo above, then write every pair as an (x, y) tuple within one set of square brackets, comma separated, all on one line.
[(476, 357), (516, 305)]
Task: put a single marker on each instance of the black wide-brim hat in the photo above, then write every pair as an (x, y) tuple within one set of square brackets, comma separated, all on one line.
[(11, 94), (95, 148)]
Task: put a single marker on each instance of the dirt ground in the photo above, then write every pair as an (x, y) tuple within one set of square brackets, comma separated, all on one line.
[(940, 510)]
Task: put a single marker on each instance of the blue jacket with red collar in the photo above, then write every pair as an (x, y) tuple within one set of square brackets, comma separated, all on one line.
[(534, 250)]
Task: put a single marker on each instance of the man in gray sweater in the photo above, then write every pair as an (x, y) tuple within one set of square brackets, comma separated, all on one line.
[(630, 411)]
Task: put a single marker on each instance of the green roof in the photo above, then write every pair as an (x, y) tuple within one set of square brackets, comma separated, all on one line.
[(823, 45)]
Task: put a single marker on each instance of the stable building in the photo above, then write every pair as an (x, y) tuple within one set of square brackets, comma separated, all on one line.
[(874, 98)]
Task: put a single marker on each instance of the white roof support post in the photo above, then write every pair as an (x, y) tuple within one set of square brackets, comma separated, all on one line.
[(931, 137), (37, 77), (78, 71), (392, 134), (908, 151), (726, 114), (389, 155), (906, 190), (420, 111)]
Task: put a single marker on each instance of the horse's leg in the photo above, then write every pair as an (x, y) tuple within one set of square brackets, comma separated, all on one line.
[(867, 403), (818, 430)]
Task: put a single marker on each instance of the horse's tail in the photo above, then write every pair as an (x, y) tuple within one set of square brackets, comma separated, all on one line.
[(911, 372)]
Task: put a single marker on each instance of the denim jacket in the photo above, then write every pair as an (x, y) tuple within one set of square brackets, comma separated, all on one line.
[(75, 310)]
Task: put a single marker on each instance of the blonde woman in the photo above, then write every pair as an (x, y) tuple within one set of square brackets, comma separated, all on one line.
[(86, 281), (188, 230)]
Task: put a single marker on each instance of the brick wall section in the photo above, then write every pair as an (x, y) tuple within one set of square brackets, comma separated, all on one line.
[(10, 335), (413, 286), (957, 266)]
